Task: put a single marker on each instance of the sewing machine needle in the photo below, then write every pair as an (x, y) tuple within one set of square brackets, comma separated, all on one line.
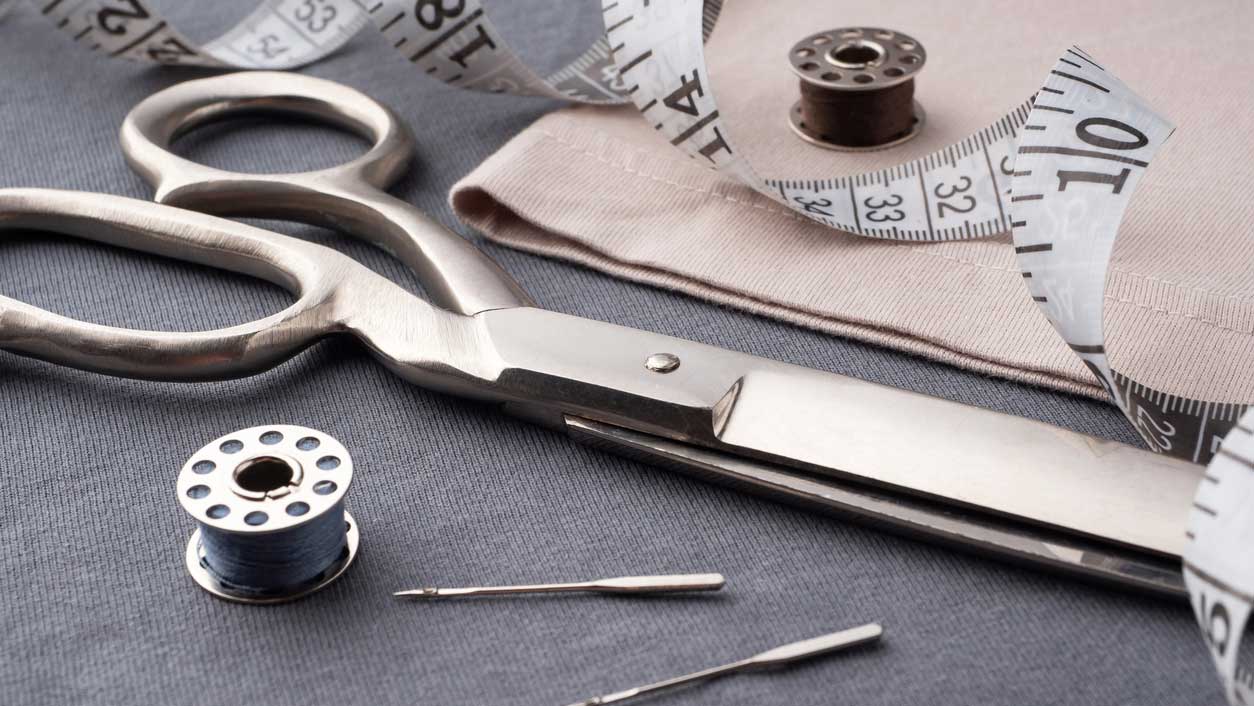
[(786, 654), (624, 584)]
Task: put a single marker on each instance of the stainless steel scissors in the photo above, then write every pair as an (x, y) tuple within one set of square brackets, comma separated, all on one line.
[(923, 466)]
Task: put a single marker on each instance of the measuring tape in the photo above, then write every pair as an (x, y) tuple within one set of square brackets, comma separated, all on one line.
[(280, 34), (1057, 172), (1217, 567)]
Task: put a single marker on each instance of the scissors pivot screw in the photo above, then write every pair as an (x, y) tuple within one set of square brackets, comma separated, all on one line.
[(662, 362)]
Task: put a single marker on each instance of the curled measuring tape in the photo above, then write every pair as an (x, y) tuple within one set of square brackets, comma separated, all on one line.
[(279, 34), (1057, 172), (451, 40)]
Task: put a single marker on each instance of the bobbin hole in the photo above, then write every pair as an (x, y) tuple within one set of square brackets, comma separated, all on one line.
[(857, 54), (263, 474)]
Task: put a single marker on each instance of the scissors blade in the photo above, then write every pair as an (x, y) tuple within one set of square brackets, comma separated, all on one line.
[(966, 455), (964, 528), (555, 366)]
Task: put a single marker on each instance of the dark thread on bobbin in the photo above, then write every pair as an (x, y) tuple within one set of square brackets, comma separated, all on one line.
[(857, 88), (859, 118)]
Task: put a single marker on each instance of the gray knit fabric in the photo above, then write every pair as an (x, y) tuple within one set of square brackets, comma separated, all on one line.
[(96, 606)]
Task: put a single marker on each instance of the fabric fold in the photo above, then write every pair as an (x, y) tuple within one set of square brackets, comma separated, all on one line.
[(597, 187)]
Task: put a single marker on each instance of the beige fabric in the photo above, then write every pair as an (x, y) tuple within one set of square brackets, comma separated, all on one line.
[(598, 187)]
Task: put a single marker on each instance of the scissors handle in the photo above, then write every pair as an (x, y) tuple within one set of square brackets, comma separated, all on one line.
[(317, 275), (350, 197), (335, 293)]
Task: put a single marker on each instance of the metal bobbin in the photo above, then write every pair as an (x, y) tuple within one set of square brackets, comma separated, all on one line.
[(277, 484), (857, 88)]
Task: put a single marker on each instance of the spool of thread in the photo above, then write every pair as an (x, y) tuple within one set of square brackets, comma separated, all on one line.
[(857, 88), (269, 504)]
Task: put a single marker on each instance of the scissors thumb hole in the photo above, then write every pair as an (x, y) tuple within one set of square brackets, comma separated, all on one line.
[(151, 127)]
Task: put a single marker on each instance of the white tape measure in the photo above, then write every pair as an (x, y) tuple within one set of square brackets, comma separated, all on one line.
[(1058, 172), (1218, 570), (279, 34)]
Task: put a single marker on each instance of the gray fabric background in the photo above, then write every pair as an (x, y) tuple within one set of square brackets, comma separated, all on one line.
[(96, 606)]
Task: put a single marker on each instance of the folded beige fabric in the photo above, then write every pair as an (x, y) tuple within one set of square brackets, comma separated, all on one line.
[(598, 187)]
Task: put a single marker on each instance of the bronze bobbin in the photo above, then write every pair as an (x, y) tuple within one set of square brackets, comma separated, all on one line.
[(857, 88)]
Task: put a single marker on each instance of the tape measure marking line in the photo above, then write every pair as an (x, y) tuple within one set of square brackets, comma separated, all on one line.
[(633, 64), (1205, 508), (1053, 108), (1084, 56), (1218, 583), (1236, 457), (295, 28), (388, 25), (1079, 79), (927, 207)]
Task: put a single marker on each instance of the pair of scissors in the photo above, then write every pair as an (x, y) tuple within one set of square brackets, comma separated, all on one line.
[(978, 479)]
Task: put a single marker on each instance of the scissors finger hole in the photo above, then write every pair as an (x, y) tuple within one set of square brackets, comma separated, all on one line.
[(269, 144), (129, 289)]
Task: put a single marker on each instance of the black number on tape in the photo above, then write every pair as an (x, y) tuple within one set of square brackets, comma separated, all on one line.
[(814, 206), (876, 207), (479, 42), (113, 19), (432, 13), (1115, 180), (682, 98), (1084, 133), (315, 15), (1158, 434), (1216, 626), (269, 46), (944, 192), (170, 51)]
